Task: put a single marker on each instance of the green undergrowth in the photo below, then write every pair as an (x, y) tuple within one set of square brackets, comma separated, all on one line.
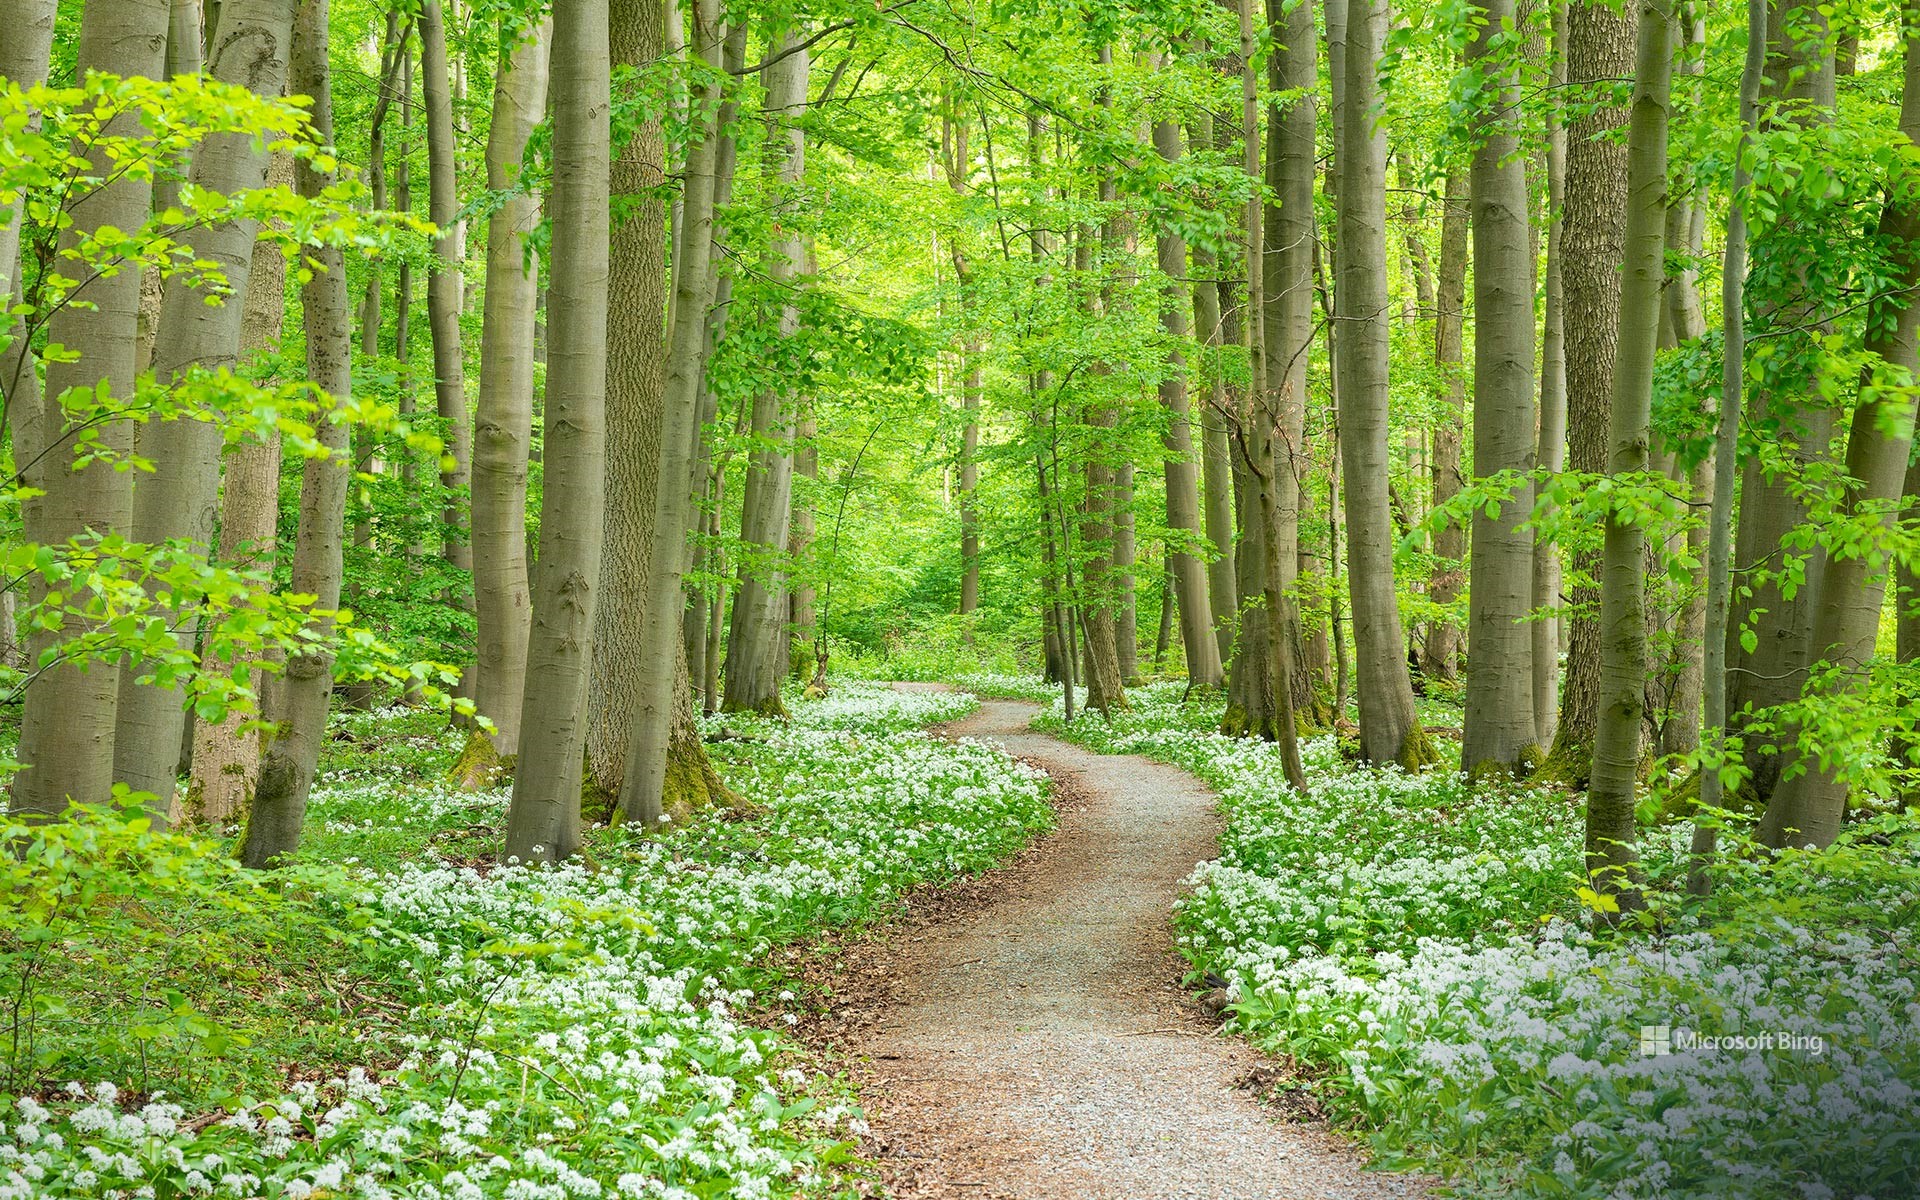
[(1423, 946), (402, 1014)]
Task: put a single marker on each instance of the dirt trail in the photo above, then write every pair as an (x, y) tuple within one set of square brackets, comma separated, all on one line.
[(1036, 1044)]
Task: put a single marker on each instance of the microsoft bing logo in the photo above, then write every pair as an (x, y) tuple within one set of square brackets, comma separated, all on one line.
[(1655, 1041)]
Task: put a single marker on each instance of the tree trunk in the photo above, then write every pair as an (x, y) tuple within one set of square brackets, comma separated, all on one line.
[(1183, 484), (444, 287), (1600, 48), (958, 164), (1264, 407), (226, 754), (177, 499), (67, 726), (1441, 657), (358, 694), (758, 631), (287, 768), (1499, 725), (1787, 408), (636, 443), (543, 821), (1807, 809), (1733, 275), (1389, 729), (503, 419), (184, 39), (1551, 451), (1684, 671), (1290, 233), (1126, 552), (1612, 862), (803, 620), (24, 57), (1163, 636), (1106, 690), (1216, 465), (403, 280), (970, 392), (644, 797)]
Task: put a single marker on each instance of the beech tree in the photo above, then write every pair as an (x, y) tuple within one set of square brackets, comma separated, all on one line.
[(1611, 858), (543, 822), (503, 420), (1389, 729), (1499, 729), (68, 717), (287, 766)]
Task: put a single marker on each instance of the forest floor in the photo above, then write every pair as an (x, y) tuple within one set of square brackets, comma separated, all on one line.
[(1037, 1043)]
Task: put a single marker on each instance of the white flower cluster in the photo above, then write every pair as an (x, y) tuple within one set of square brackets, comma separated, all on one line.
[(576, 1027), (1419, 938)]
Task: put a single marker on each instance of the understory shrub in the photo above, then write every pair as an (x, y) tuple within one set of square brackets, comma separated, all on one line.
[(1421, 943), (577, 1031)]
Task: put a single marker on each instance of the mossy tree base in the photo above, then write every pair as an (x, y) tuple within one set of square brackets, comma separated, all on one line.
[(479, 764), (772, 708), (691, 787), (1523, 766), (1417, 752), (1568, 764)]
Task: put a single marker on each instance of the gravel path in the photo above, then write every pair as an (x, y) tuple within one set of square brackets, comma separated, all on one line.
[(1037, 1045)]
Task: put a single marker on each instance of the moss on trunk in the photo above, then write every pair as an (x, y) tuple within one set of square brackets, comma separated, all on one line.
[(479, 764), (1569, 764)]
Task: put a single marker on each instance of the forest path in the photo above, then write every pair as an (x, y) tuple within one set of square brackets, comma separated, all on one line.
[(1037, 1044)]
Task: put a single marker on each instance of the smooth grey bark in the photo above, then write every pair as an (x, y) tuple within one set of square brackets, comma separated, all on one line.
[(1216, 459), (288, 764), (1786, 405), (403, 277), (24, 56), (1389, 729), (703, 625), (184, 37), (1679, 678), (1263, 407), (503, 417), (1498, 728), (1216, 464), (444, 286), (1126, 553), (543, 820), (971, 391), (179, 497), (1216, 454), (1807, 808), (802, 620), (1250, 702), (1611, 858), (358, 694), (24, 60), (1600, 49), (1726, 449), (1441, 653), (955, 158), (1106, 690), (758, 631), (644, 785), (1290, 235), (1550, 453), (67, 724), (226, 754), (1182, 480)]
